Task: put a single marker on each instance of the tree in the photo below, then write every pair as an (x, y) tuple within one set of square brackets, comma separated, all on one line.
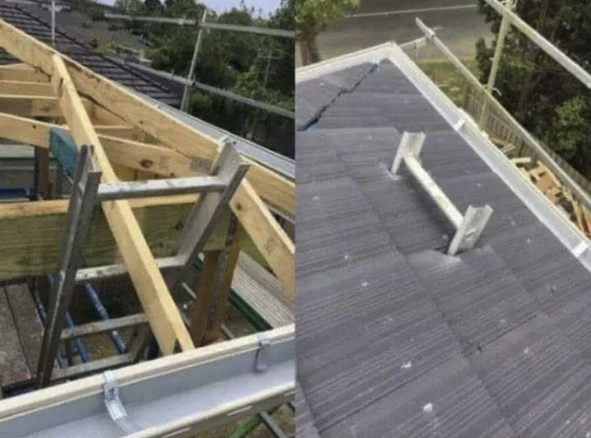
[(260, 67), (541, 94), (313, 17), (154, 7), (132, 7)]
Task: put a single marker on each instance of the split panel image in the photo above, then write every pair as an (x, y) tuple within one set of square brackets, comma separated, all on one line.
[(147, 219), (443, 263)]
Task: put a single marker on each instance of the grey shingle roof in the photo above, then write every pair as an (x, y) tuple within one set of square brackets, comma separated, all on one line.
[(397, 339), (35, 26)]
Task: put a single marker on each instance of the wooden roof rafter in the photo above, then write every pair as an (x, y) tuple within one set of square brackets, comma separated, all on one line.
[(161, 160), (22, 72), (189, 150)]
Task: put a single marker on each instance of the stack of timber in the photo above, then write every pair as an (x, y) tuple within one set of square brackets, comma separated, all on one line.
[(558, 194)]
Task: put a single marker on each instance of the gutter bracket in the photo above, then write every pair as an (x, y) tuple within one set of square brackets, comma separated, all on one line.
[(580, 249), (459, 124), (114, 405), (262, 355)]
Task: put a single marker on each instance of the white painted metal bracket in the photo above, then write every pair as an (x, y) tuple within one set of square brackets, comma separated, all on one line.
[(114, 405), (580, 249), (410, 144), (470, 226), (262, 360), (471, 229), (459, 125)]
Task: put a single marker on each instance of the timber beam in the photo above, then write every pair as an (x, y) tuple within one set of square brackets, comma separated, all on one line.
[(105, 117), (120, 131), (16, 72), (30, 234), (21, 88), (18, 65), (270, 239), (33, 106)]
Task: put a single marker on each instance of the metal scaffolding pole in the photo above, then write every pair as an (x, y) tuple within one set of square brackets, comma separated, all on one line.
[(503, 31), (216, 26), (554, 52), (251, 29), (191, 75), (224, 93), (53, 22)]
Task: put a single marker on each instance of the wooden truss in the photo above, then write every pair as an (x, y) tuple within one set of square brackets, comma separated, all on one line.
[(131, 140)]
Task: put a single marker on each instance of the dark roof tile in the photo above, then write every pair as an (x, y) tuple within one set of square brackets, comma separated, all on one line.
[(396, 339), (36, 27)]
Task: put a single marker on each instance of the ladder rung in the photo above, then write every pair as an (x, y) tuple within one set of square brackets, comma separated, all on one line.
[(94, 328), (469, 226), (160, 187), (93, 367), (108, 271)]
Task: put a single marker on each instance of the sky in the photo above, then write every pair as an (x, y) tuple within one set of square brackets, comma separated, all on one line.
[(221, 5)]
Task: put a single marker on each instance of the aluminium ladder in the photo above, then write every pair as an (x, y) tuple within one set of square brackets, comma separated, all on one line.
[(87, 192)]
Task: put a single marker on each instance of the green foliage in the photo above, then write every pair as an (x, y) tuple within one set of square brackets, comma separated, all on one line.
[(571, 127), (106, 47), (542, 95), (313, 17), (153, 6), (95, 13), (89, 8), (448, 78), (130, 6), (571, 133), (114, 26), (256, 66), (93, 43)]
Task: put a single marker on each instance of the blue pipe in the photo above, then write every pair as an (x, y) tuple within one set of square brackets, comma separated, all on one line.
[(70, 323), (43, 315), (78, 342), (10, 193), (104, 315), (153, 349)]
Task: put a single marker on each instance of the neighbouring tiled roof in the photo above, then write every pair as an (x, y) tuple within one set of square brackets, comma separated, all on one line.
[(37, 27), (394, 337)]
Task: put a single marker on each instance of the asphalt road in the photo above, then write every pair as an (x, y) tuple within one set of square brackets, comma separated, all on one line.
[(378, 21)]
